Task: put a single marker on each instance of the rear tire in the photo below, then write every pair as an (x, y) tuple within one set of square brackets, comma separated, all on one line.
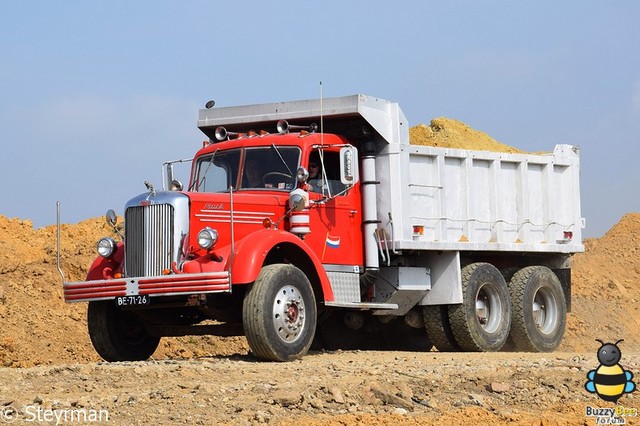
[(481, 323), (279, 313), (436, 322), (118, 335), (539, 310)]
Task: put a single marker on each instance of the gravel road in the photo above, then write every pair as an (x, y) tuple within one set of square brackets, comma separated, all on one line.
[(338, 388)]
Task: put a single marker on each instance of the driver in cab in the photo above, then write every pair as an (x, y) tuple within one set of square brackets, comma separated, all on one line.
[(253, 174)]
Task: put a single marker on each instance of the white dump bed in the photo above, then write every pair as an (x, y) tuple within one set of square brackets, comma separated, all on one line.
[(462, 199), (456, 199)]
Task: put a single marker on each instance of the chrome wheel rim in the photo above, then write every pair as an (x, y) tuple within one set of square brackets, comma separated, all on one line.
[(488, 308), (289, 314), (545, 311)]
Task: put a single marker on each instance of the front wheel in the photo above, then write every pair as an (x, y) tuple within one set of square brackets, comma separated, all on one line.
[(118, 335), (539, 309), (279, 313)]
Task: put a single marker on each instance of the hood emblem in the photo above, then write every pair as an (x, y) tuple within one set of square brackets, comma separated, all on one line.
[(210, 206)]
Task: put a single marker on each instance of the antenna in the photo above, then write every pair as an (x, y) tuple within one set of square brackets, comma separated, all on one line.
[(321, 117), (321, 151)]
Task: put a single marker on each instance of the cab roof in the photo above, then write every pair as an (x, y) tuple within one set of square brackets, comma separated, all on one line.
[(354, 117)]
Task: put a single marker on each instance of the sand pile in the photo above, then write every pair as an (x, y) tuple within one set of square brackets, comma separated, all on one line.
[(606, 289), (39, 328), (447, 133)]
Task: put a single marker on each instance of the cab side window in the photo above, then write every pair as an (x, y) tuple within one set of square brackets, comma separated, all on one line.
[(325, 180)]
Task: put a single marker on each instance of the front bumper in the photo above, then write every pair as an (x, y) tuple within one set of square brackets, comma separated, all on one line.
[(164, 285)]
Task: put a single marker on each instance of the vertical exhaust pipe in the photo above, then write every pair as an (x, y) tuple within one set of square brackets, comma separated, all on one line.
[(369, 213)]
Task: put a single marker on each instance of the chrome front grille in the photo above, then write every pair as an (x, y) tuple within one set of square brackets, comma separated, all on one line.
[(148, 240)]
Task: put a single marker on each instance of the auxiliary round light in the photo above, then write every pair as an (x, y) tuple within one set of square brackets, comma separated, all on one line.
[(106, 247), (176, 185), (302, 174), (207, 238)]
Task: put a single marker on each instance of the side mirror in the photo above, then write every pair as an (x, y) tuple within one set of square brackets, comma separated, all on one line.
[(169, 171), (349, 165), (111, 218)]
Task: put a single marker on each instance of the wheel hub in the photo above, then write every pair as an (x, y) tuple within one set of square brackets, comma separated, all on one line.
[(545, 311), (488, 308), (288, 314), (538, 313), (482, 311)]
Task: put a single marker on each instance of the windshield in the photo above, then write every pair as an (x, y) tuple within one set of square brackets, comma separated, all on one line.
[(216, 172), (264, 168)]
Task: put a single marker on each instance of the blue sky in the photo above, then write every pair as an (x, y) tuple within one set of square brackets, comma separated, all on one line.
[(94, 96)]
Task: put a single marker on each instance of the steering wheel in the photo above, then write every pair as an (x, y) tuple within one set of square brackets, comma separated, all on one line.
[(269, 175)]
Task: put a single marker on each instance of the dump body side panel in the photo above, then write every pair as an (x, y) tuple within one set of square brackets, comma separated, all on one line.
[(480, 200)]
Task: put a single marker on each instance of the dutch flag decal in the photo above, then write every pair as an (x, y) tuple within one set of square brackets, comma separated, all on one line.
[(333, 242)]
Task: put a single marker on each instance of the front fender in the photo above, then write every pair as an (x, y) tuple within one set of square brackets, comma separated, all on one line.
[(251, 253), (102, 269)]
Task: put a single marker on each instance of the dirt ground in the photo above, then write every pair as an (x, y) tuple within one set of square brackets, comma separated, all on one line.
[(339, 388), (47, 363)]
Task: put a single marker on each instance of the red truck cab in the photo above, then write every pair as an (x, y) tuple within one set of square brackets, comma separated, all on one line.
[(195, 253)]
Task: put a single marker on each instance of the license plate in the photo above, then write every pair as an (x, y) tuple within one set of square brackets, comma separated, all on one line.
[(137, 300)]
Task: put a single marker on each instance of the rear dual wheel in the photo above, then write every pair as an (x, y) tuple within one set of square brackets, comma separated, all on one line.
[(539, 309), (436, 322), (530, 313), (481, 323)]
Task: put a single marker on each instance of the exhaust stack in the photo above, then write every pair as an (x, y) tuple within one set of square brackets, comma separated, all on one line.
[(369, 213)]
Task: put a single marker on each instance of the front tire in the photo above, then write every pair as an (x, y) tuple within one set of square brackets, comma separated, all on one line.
[(539, 309), (118, 335), (481, 323), (279, 313)]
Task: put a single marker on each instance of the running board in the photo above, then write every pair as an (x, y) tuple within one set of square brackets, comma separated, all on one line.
[(364, 305)]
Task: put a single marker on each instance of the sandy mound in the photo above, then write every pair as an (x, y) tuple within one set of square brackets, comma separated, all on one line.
[(39, 328), (606, 289), (447, 133)]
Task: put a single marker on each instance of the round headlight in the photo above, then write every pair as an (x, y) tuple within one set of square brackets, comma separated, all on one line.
[(106, 247), (207, 238)]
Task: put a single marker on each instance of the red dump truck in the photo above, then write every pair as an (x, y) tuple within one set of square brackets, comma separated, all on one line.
[(318, 220)]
